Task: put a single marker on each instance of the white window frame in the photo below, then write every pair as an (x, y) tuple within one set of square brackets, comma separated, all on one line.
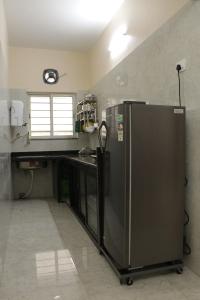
[(51, 95)]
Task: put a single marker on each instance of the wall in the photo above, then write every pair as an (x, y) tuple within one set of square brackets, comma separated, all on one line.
[(42, 186), (27, 65), (5, 184), (4, 110), (42, 182), (21, 145), (26, 68), (149, 74), (142, 19)]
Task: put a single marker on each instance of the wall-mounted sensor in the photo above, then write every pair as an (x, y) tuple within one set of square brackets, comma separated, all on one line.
[(50, 76)]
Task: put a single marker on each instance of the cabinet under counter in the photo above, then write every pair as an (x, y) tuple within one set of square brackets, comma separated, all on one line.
[(81, 176), (74, 180)]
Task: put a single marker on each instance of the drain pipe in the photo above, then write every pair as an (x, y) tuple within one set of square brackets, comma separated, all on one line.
[(29, 191)]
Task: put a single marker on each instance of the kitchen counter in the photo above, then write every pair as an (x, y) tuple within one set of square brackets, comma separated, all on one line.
[(72, 156), (86, 160), (41, 155)]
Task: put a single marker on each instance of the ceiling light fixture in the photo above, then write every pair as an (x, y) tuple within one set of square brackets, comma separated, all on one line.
[(50, 76), (119, 42)]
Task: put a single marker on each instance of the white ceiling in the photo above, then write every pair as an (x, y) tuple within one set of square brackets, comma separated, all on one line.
[(58, 24)]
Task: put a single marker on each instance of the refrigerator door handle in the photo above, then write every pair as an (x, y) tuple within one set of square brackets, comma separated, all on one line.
[(130, 185), (103, 125)]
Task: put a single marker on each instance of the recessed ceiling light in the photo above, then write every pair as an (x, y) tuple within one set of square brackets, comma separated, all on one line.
[(119, 42), (99, 10)]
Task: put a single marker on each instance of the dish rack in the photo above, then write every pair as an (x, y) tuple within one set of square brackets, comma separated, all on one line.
[(86, 115)]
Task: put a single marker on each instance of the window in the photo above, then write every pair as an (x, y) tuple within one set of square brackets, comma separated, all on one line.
[(51, 116)]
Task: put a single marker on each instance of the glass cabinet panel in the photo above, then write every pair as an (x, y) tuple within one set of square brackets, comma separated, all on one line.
[(82, 194), (91, 181)]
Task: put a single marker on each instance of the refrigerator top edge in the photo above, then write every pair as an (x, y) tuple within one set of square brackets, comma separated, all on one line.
[(149, 105)]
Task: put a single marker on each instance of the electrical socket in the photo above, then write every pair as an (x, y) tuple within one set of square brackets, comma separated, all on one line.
[(183, 64)]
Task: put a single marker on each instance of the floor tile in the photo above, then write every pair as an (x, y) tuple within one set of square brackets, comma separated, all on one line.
[(47, 255)]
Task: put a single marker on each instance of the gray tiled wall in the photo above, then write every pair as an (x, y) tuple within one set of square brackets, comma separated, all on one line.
[(5, 148), (42, 184), (21, 145), (149, 74), (5, 176)]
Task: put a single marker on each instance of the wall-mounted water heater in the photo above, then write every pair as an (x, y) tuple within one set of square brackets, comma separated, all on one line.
[(17, 113)]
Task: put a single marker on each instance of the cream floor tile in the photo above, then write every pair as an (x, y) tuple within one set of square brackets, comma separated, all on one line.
[(99, 281), (187, 280), (73, 292), (76, 242), (48, 255), (142, 289)]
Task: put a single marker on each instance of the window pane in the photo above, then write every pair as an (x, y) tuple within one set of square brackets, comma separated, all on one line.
[(40, 127), (65, 121), (40, 133), (37, 121), (40, 114), (63, 127), (62, 106), (62, 100), (58, 133), (40, 99), (46, 123), (61, 114), (40, 106)]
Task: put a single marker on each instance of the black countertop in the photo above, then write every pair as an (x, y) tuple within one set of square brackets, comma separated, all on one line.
[(86, 160), (41, 154), (72, 156)]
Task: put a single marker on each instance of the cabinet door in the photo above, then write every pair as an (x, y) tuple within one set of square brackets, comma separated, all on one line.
[(91, 181), (62, 181), (82, 194)]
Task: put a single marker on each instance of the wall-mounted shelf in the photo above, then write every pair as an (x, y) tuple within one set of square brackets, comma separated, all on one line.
[(86, 114)]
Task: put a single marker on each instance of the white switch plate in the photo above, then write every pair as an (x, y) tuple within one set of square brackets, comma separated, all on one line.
[(183, 64)]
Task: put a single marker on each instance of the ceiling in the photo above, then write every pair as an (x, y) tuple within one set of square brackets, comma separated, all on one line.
[(58, 24)]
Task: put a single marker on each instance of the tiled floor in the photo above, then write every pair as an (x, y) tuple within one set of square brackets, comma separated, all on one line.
[(49, 256)]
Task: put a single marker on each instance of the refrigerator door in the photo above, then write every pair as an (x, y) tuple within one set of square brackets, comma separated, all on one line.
[(91, 200), (157, 184), (115, 200)]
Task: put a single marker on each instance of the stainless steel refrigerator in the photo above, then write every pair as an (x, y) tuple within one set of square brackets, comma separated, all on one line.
[(144, 185)]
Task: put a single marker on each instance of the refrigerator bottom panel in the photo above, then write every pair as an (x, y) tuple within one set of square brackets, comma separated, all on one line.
[(126, 276)]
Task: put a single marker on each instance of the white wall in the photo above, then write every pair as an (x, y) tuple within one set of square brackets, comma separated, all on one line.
[(5, 182), (27, 65), (3, 45), (21, 145), (26, 68), (142, 19), (4, 106)]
